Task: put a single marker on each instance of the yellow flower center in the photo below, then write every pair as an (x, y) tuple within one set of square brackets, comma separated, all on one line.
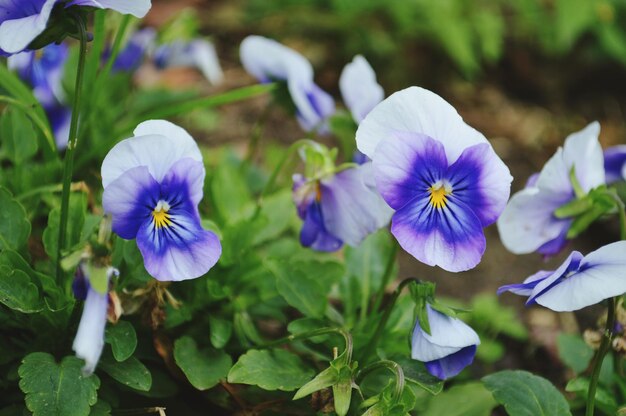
[(438, 194), (160, 216)]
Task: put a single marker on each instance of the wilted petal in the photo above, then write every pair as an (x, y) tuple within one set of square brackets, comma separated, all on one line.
[(359, 89)]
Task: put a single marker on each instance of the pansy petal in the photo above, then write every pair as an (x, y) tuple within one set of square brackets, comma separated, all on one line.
[(130, 200), (314, 233), (482, 181), (582, 150), (448, 335), (602, 275), (351, 210), (313, 105), (16, 34), (89, 340), (138, 8), (421, 111), (157, 144), (571, 264), (406, 165), (451, 237), (198, 54), (359, 88), (526, 288), (451, 365), (527, 222), (614, 163), (268, 60)]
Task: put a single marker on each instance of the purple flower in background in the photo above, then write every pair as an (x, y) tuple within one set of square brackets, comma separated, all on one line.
[(152, 187), (359, 89), (22, 21), (579, 282), (131, 57), (528, 222), (442, 177), (268, 61), (43, 70), (198, 53), (615, 163), (340, 208), (89, 339), (450, 347)]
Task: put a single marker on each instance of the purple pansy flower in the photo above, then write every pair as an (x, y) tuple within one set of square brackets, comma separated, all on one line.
[(450, 347), (131, 57), (22, 21), (579, 282), (528, 223), (89, 339), (442, 177), (198, 53), (268, 60), (359, 88), (152, 187), (43, 70), (615, 163), (339, 208)]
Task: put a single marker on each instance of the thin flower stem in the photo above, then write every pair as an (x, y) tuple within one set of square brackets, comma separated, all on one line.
[(71, 147), (371, 345), (597, 365), (621, 211), (315, 333), (387, 275), (391, 365)]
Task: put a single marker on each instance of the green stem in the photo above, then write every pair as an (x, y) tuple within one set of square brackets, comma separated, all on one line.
[(391, 365), (621, 211), (315, 333), (71, 147), (387, 275), (371, 345), (597, 365)]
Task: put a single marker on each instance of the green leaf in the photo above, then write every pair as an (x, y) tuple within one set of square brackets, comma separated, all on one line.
[(76, 219), (14, 226), (415, 372), (270, 370), (470, 399), (18, 292), (342, 391), (220, 331), (604, 398), (574, 352), (522, 393), (488, 313), (306, 284), (101, 408), (279, 213), (19, 139), (323, 380), (122, 338), (230, 192), (131, 373), (203, 368), (57, 389)]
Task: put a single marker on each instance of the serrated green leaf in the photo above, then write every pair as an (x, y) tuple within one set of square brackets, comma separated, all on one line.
[(522, 393), (270, 370), (131, 373), (14, 225), (18, 292), (203, 368), (574, 352), (220, 331), (123, 339), (470, 399), (57, 389)]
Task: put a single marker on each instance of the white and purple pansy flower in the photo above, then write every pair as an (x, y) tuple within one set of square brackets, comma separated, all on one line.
[(615, 163), (89, 340), (528, 222), (359, 89), (579, 282), (442, 177), (21, 21), (448, 349), (152, 187), (44, 72), (269, 61), (198, 53), (339, 208)]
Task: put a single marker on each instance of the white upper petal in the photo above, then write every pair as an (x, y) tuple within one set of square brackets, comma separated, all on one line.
[(138, 8), (266, 59), (583, 151), (16, 34), (359, 89), (157, 144), (417, 110), (602, 276), (448, 335)]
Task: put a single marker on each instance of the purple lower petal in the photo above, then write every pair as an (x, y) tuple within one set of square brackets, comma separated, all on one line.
[(450, 237), (453, 364), (554, 246), (314, 233), (614, 162), (571, 264)]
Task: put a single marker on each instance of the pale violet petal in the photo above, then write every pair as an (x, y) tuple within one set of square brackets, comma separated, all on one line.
[(16, 34), (268, 60), (138, 8), (582, 150), (602, 276), (417, 110), (359, 88)]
